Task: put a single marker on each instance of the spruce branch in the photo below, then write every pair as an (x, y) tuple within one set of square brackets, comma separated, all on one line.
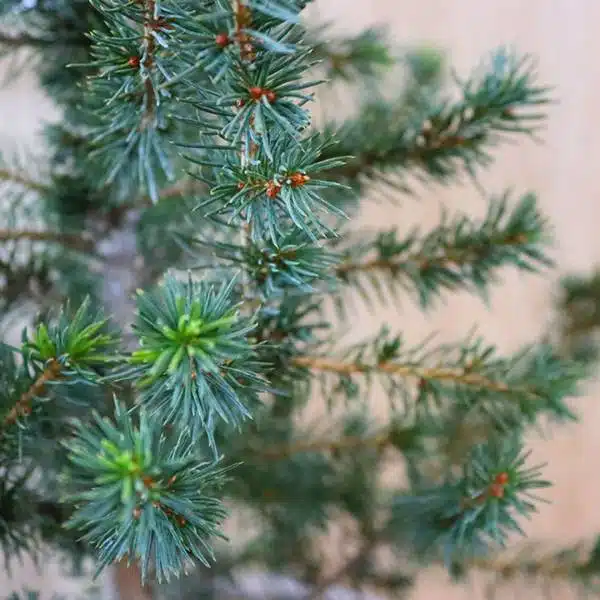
[(280, 190), (294, 262), (194, 364), (364, 55), (472, 509), (75, 346), (230, 81), (460, 253), (461, 516), (131, 60), (513, 389), (443, 137), (154, 493)]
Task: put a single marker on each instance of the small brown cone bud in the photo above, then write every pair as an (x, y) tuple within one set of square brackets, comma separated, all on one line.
[(496, 490), (222, 40)]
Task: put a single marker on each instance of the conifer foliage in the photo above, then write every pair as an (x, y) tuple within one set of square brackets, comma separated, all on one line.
[(187, 127)]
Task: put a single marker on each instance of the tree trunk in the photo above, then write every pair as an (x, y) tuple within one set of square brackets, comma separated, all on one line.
[(120, 281), (125, 584)]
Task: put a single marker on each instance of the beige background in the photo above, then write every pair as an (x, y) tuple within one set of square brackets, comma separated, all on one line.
[(564, 35)]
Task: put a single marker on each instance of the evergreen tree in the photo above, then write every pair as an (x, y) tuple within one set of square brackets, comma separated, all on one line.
[(185, 262)]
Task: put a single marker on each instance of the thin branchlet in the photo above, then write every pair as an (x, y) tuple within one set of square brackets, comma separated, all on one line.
[(79, 242), (248, 148), (459, 376), (549, 567), (448, 257), (149, 47), (26, 182), (343, 444), (23, 405), (23, 40)]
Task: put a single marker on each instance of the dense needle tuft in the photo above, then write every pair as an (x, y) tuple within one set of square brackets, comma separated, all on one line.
[(195, 359), (150, 494)]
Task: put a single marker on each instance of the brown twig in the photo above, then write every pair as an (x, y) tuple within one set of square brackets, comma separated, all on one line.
[(368, 162), (417, 259), (22, 40), (66, 239), (395, 265), (149, 44), (11, 176), (456, 375), (549, 567), (448, 257), (242, 20), (177, 190), (23, 404), (127, 581), (345, 443)]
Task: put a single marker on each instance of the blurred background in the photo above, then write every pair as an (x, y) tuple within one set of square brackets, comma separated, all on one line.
[(563, 35)]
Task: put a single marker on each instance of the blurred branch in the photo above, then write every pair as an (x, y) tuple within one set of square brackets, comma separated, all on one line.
[(457, 375), (181, 188), (22, 40), (376, 440), (448, 136), (451, 256), (426, 150), (460, 253), (66, 239), (549, 567), (364, 55), (12, 177), (347, 568)]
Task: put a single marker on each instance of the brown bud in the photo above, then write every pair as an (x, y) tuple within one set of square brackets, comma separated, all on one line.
[(496, 490), (272, 189), (255, 93), (222, 40), (501, 478), (299, 179)]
